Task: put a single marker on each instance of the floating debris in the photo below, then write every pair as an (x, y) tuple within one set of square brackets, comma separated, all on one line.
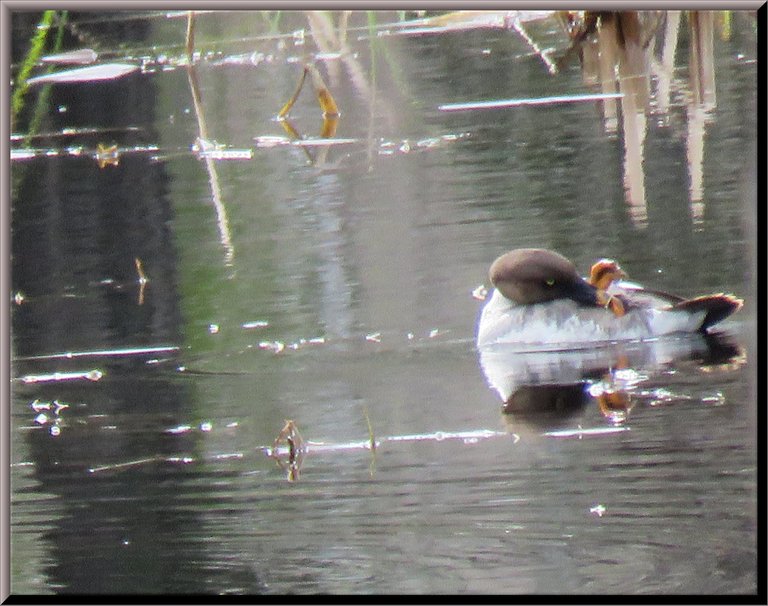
[(466, 20), (137, 462), (271, 141), (23, 154), (295, 449), (202, 145), (213, 150), (536, 101), (439, 436), (255, 324), (374, 337), (250, 59), (227, 154), (391, 148), (324, 142), (290, 448), (96, 73), (598, 510), (90, 375), (140, 270), (480, 293), (228, 455), (580, 432), (107, 156), (312, 341), (37, 406), (143, 280), (55, 406), (84, 56), (131, 351), (274, 346), (716, 399), (44, 419)]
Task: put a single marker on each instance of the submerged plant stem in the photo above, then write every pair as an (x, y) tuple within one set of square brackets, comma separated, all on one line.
[(36, 48), (289, 104)]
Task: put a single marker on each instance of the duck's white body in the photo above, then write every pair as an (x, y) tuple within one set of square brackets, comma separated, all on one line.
[(541, 302), (563, 323)]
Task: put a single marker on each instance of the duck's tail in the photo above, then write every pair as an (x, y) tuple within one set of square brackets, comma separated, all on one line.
[(717, 307)]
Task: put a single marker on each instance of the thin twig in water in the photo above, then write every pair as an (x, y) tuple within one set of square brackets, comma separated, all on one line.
[(518, 27), (296, 448), (372, 438), (190, 35), (143, 280)]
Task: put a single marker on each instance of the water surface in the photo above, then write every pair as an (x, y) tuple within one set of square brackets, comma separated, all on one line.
[(333, 286)]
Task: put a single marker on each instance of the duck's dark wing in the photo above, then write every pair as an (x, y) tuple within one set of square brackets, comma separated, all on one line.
[(717, 307)]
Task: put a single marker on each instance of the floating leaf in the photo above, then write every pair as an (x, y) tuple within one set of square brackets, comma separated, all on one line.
[(95, 73)]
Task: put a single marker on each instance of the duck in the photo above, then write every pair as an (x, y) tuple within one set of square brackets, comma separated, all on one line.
[(622, 296), (540, 301)]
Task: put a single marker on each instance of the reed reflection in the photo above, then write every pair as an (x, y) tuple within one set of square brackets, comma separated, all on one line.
[(620, 51)]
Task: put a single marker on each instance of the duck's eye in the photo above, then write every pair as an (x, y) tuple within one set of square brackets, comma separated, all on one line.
[(550, 282)]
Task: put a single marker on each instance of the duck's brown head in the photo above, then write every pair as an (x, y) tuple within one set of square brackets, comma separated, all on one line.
[(535, 275)]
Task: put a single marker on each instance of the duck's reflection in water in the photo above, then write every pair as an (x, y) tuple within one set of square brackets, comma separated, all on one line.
[(544, 390)]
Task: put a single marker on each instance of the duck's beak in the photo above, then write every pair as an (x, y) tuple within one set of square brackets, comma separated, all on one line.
[(586, 294)]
